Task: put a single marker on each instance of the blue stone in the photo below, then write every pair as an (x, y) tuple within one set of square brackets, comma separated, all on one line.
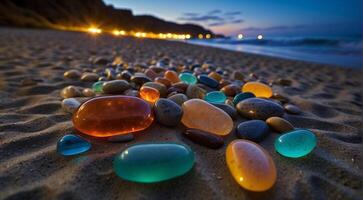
[(255, 130), (215, 97), (72, 145), (242, 96), (204, 79)]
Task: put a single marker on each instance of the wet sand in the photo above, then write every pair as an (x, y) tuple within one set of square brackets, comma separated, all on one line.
[(32, 63)]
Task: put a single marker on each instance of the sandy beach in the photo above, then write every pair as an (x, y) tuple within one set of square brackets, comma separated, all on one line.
[(32, 63)]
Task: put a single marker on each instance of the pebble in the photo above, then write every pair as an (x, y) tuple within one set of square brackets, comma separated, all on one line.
[(224, 83), (242, 96), (258, 89), (182, 86), (87, 92), (215, 76), (195, 92), (199, 114), (163, 81), (112, 115), (230, 90), (97, 86), (151, 74), (215, 97), (153, 162), (70, 91), (250, 165), (284, 82), (256, 108), (140, 80), (115, 87), (188, 78), (121, 138), (204, 79), (124, 75), (160, 87), (167, 112), (100, 61), (279, 124), (149, 94), (295, 144), (236, 75), (70, 105), (178, 98), (172, 76), (254, 130), (70, 145), (90, 77), (292, 109), (231, 111), (72, 74), (204, 138), (110, 73), (132, 93)]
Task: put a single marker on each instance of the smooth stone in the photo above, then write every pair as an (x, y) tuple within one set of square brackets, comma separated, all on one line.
[(149, 94), (140, 80), (100, 61), (236, 75), (242, 96), (256, 108), (124, 75), (258, 89), (181, 85), (72, 74), (160, 87), (87, 92), (110, 73), (215, 97), (188, 78), (70, 145), (195, 92), (251, 166), (203, 138), (113, 115), (215, 76), (292, 109), (231, 111), (223, 83), (90, 77), (167, 112), (97, 86), (115, 87), (178, 98), (210, 82), (199, 114), (172, 76), (255, 130), (295, 144), (151, 74), (153, 162), (230, 90), (279, 124), (132, 93), (163, 81), (70, 105), (70, 91), (121, 138)]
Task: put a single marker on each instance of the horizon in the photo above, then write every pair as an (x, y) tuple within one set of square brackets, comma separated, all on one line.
[(282, 18)]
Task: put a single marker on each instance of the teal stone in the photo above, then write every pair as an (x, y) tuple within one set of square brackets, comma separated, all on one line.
[(153, 162), (295, 144), (215, 97), (97, 86), (70, 145), (242, 96), (188, 78)]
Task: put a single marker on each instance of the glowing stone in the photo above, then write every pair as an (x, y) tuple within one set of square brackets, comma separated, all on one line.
[(149, 94), (97, 86), (172, 76), (70, 145), (188, 78), (112, 115), (215, 97), (258, 89), (153, 162), (199, 114), (250, 165)]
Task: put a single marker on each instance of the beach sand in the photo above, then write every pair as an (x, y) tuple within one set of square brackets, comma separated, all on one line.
[(32, 63)]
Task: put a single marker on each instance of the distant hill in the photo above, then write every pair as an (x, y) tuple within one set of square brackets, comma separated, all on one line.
[(83, 13)]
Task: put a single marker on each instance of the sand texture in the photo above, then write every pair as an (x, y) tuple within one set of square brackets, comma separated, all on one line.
[(32, 63)]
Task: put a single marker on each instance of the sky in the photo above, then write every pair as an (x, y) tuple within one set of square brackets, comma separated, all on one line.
[(252, 17)]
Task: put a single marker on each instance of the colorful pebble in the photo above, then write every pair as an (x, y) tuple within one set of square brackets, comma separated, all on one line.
[(242, 96), (215, 97), (149, 94), (258, 89), (210, 82), (188, 78), (70, 145), (254, 130)]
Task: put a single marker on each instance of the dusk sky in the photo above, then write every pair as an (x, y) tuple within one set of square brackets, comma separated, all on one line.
[(269, 17)]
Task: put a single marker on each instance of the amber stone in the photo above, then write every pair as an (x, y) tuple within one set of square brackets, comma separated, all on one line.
[(172, 76), (215, 76), (199, 114), (163, 81), (112, 115), (258, 89), (250, 165), (149, 94)]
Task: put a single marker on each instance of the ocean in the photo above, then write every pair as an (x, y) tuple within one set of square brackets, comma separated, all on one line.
[(341, 51)]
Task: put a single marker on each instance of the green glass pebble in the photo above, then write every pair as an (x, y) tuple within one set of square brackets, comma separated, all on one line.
[(242, 96), (215, 97), (188, 78), (295, 144), (97, 86), (153, 162)]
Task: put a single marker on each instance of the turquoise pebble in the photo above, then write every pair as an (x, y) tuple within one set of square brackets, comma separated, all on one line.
[(153, 162), (295, 144), (242, 96), (97, 86), (188, 78), (215, 97), (72, 145), (204, 79)]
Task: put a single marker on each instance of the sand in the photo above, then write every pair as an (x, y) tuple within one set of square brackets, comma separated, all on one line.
[(32, 63)]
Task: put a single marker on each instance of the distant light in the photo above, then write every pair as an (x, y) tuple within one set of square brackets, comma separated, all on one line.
[(122, 32), (187, 36), (116, 32), (207, 36), (143, 34), (94, 30), (168, 35), (200, 36), (260, 37), (240, 36)]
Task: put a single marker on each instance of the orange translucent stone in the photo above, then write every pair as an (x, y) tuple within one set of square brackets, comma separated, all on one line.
[(250, 165), (215, 76), (172, 76), (149, 94), (112, 115), (258, 89)]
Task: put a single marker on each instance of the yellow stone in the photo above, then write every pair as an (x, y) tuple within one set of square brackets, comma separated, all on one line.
[(215, 76), (258, 89), (199, 114), (250, 165)]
